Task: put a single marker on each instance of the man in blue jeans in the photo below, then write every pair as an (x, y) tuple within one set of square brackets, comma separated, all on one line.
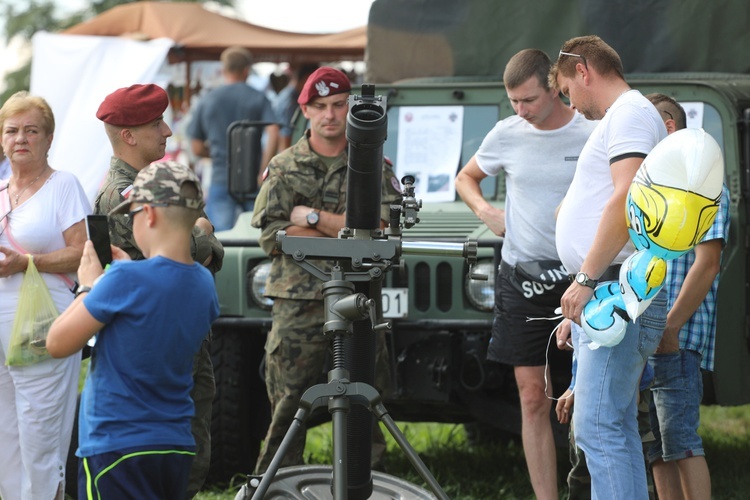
[(233, 101), (592, 238)]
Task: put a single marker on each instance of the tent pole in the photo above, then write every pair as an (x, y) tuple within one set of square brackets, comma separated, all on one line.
[(187, 84)]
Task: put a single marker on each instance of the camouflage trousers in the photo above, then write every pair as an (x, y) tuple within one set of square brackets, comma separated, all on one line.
[(579, 480), (296, 353), (203, 393)]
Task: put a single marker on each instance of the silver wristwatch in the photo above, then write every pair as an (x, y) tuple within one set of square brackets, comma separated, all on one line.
[(583, 279), (313, 218)]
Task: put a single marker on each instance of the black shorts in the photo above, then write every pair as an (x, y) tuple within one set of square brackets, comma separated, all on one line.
[(518, 342), (154, 472)]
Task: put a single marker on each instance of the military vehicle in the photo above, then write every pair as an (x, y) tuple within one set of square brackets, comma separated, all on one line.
[(446, 58)]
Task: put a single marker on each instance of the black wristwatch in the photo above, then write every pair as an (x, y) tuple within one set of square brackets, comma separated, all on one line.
[(583, 279), (81, 289), (312, 218)]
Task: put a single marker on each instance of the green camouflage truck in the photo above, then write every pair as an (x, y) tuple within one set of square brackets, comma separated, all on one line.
[(447, 59)]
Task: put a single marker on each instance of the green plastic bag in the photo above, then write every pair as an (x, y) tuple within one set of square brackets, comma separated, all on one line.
[(35, 313)]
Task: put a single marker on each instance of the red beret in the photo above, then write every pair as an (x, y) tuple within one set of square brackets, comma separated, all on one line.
[(133, 106), (323, 82)]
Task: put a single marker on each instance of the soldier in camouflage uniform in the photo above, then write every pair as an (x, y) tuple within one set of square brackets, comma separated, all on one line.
[(305, 195), (133, 119)]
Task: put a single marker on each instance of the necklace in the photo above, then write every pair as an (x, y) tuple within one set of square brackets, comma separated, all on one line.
[(18, 195)]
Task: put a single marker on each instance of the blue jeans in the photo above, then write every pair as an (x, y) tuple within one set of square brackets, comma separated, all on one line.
[(222, 209), (675, 406), (605, 416)]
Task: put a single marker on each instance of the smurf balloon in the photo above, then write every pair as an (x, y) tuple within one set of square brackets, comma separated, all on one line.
[(671, 204), (675, 194)]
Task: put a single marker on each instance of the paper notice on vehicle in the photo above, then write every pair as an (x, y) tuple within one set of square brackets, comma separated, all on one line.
[(429, 148)]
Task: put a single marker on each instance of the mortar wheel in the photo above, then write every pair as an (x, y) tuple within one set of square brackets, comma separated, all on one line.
[(313, 482)]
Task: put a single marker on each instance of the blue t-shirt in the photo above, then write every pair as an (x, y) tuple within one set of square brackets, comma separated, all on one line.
[(137, 392), (219, 109)]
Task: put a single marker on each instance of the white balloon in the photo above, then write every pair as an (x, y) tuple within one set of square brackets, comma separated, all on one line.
[(688, 159)]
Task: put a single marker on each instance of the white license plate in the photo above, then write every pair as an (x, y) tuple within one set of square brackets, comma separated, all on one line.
[(395, 302)]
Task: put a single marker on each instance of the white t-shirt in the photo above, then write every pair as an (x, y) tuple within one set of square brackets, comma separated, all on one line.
[(37, 226), (539, 166), (632, 125)]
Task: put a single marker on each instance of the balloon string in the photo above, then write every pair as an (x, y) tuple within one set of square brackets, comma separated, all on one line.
[(546, 356)]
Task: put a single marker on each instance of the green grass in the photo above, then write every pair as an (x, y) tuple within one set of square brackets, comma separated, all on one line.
[(726, 439), (498, 471)]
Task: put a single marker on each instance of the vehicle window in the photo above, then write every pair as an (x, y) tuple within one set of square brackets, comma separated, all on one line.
[(478, 121), (712, 124)]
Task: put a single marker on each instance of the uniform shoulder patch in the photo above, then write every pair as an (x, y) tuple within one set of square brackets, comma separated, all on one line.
[(396, 185)]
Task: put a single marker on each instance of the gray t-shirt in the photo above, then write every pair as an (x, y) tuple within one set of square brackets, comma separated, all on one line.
[(219, 109), (539, 166)]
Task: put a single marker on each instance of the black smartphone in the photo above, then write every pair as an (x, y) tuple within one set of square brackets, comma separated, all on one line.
[(97, 230)]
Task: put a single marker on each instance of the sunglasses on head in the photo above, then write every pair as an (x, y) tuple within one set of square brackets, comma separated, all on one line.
[(132, 213), (570, 54)]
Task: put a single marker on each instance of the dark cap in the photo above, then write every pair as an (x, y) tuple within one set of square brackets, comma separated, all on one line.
[(133, 106), (162, 183), (323, 82)]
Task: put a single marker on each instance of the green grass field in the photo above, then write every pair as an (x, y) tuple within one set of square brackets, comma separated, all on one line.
[(498, 471)]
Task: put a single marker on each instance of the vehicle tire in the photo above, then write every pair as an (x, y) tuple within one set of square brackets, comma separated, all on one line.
[(241, 411)]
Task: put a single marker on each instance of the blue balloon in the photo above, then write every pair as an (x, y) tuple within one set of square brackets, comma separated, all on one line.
[(604, 318)]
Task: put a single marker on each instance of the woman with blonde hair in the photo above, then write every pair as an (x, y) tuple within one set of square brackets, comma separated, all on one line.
[(42, 215)]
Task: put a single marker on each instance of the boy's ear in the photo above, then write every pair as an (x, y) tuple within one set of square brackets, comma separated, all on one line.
[(151, 215)]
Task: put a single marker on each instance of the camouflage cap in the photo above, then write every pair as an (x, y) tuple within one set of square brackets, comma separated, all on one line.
[(161, 182)]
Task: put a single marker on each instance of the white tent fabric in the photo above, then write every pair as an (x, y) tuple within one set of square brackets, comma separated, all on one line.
[(74, 74)]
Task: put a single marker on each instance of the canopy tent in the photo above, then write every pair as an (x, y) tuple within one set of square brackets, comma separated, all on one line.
[(128, 44), (74, 74), (200, 34)]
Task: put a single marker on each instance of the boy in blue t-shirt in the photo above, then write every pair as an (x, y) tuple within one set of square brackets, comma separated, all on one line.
[(151, 317)]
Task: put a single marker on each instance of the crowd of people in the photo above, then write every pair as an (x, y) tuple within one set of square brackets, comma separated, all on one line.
[(145, 410)]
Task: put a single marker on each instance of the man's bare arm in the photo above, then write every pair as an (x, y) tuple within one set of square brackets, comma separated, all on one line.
[(272, 142), (199, 148), (467, 185), (694, 289)]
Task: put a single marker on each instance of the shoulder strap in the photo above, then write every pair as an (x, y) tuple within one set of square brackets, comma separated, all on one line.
[(18, 247), (3, 209)]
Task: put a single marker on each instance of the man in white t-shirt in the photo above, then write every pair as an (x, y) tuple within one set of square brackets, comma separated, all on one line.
[(536, 149), (592, 240)]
